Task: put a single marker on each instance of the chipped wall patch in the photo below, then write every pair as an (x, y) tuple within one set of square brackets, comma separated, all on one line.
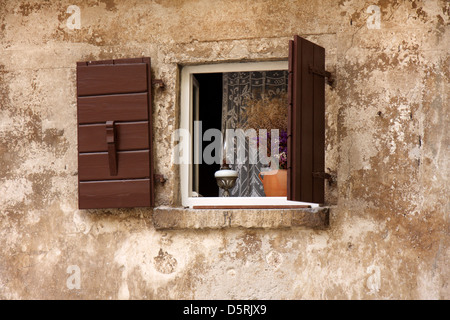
[(165, 262)]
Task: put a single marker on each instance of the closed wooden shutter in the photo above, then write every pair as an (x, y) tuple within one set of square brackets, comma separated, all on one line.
[(306, 129), (115, 167)]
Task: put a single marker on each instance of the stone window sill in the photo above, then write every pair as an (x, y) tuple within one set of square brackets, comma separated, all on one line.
[(181, 218)]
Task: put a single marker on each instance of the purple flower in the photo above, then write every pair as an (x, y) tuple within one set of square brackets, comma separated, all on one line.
[(282, 144)]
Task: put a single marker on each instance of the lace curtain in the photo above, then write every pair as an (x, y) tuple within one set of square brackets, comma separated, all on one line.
[(237, 87)]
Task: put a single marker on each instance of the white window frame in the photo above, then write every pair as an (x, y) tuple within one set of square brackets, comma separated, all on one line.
[(186, 123)]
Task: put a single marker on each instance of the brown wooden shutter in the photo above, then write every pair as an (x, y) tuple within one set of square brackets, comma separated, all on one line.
[(115, 166), (306, 129)]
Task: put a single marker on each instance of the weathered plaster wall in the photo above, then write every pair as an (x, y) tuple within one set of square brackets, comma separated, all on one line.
[(387, 139)]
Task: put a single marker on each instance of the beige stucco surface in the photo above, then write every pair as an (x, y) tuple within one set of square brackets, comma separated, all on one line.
[(388, 120)]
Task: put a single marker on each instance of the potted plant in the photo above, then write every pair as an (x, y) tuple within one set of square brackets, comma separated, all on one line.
[(270, 112)]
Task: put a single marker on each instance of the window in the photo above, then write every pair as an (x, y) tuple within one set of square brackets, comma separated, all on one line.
[(306, 117), (202, 110), (115, 162)]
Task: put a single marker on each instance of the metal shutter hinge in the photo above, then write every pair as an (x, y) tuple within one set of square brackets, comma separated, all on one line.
[(158, 83), (332, 178), (159, 177), (323, 73)]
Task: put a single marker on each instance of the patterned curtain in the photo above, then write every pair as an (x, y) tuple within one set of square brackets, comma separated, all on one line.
[(237, 87)]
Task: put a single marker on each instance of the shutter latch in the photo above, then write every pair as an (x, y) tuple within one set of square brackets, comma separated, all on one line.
[(323, 73), (112, 150)]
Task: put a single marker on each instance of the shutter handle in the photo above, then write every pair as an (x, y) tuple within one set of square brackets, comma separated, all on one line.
[(112, 149)]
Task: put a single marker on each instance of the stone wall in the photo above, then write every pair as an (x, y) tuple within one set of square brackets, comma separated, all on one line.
[(387, 140)]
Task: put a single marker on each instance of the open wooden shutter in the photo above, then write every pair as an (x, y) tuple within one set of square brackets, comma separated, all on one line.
[(306, 124), (115, 167)]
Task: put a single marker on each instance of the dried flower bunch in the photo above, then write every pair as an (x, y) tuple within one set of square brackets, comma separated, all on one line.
[(269, 112)]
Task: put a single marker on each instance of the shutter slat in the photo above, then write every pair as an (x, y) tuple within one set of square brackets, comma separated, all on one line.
[(305, 121), (130, 136), (109, 79), (114, 194), (123, 107), (129, 60), (319, 125), (307, 125), (290, 172), (131, 165), (97, 62)]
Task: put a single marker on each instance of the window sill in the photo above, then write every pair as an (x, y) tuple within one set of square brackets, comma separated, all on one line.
[(181, 218)]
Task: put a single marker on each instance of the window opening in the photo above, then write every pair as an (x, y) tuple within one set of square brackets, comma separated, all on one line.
[(250, 110)]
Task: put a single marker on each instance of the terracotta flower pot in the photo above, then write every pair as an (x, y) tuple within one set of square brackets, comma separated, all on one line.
[(274, 182)]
